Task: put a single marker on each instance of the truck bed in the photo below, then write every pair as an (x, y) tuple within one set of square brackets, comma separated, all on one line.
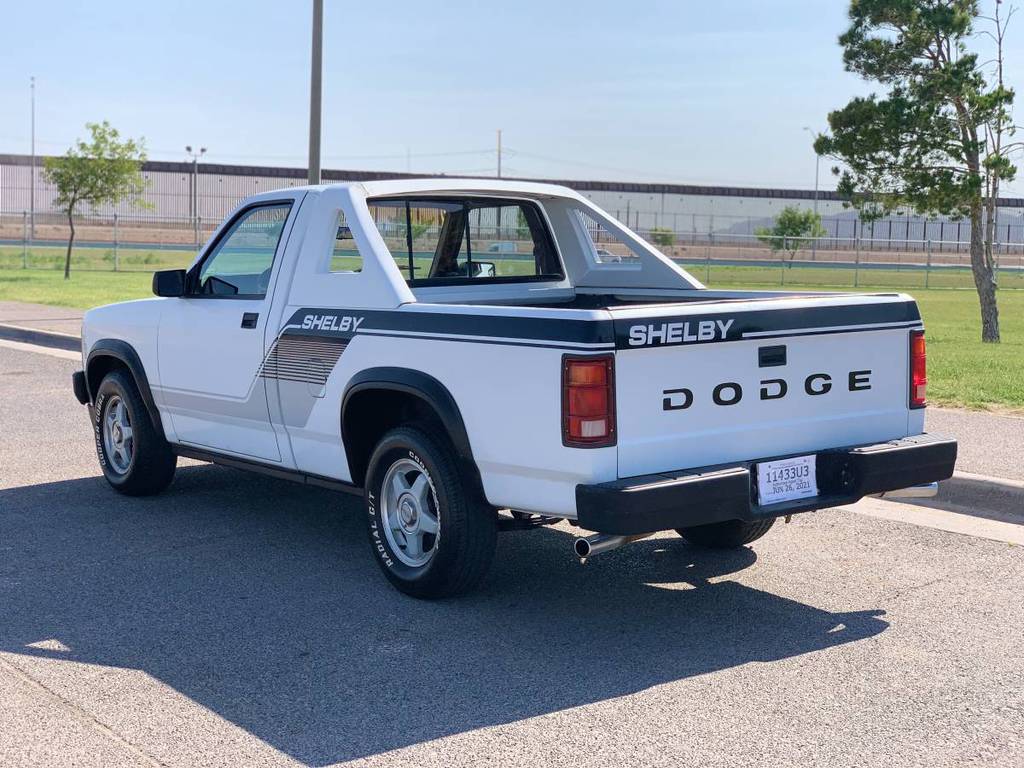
[(710, 377)]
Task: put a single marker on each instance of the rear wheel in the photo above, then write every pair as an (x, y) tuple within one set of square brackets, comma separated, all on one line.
[(431, 536), (135, 459), (726, 535)]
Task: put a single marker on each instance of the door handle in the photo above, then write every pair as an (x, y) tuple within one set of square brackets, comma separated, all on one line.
[(249, 319)]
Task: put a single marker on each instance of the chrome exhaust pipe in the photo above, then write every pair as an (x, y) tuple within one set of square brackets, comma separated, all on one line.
[(926, 491), (587, 546)]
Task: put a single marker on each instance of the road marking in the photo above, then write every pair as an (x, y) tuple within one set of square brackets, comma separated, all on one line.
[(954, 522), (21, 346)]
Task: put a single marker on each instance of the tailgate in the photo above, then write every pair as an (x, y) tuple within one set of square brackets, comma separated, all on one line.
[(698, 385)]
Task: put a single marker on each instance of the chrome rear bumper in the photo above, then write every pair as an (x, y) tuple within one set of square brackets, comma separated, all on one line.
[(925, 491)]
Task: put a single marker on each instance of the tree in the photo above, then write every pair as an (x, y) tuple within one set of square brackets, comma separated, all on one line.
[(102, 171), (937, 141), (794, 228), (663, 236)]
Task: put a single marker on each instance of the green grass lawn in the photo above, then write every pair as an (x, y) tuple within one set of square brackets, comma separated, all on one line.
[(961, 370), (83, 290), (773, 276), (96, 258)]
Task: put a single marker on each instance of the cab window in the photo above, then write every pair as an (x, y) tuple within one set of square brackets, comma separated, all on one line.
[(240, 263), (450, 240)]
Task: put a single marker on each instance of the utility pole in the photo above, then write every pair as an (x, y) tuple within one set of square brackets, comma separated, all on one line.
[(499, 153), (32, 170), (316, 91), (194, 197)]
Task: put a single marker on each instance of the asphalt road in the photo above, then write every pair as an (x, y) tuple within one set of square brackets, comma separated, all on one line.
[(238, 620)]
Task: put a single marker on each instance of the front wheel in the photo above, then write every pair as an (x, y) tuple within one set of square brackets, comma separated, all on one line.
[(431, 536), (726, 535), (135, 459)]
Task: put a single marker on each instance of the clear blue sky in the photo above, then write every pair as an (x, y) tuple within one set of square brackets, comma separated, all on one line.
[(686, 91)]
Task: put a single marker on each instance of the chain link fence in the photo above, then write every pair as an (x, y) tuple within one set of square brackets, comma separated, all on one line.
[(833, 262), (116, 242)]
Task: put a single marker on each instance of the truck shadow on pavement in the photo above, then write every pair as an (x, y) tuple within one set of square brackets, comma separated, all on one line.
[(259, 600)]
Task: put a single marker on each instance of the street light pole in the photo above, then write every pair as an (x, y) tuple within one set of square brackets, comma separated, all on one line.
[(499, 153), (817, 168), (32, 170), (316, 91)]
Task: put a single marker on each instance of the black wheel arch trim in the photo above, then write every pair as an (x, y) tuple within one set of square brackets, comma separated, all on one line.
[(126, 354), (427, 388)]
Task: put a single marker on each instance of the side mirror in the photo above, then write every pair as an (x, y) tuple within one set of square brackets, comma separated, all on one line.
[(484, 269), (169, 282)]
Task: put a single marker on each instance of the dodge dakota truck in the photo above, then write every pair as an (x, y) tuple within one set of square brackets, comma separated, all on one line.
[(471, 356)]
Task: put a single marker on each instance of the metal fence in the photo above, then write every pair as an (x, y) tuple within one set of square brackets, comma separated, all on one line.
[(840, 262), (144, 243), (114, 242), (176, 191)]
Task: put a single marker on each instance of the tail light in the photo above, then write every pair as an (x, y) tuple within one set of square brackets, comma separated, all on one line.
[(588, 401), (918, 370)]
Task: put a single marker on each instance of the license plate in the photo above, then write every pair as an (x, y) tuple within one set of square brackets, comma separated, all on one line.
[(786, 479)]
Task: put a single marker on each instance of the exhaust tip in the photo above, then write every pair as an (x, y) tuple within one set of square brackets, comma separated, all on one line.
[(581, 547)]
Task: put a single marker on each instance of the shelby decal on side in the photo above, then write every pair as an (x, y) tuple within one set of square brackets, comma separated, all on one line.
[(343, 323), (296, 357), (559, 333), (679, 333)]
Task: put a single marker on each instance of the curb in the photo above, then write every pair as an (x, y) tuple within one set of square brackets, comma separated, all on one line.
[(996, 498), (54, 339), (969, 479)]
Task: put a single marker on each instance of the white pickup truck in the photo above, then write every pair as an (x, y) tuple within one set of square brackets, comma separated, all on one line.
[(454, 349)]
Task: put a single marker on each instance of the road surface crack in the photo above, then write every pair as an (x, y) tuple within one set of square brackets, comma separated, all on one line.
[(79, 713)]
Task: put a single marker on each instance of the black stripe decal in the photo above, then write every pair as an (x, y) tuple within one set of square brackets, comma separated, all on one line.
[(597, 335), (332, 322), (829, 332), (481, 340)]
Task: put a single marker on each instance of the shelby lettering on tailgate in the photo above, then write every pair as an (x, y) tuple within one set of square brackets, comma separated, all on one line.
[(688, 332)]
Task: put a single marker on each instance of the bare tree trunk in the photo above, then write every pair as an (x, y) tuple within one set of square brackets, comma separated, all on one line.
[(983, 270), (71, 240)]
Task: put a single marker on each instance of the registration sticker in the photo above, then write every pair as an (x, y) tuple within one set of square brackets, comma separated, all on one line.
[(787, 479)]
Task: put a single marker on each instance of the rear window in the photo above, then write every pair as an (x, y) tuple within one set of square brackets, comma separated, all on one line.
[(443, 241)]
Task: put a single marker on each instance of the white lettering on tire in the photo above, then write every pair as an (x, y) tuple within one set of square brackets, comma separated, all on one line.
[(382, 550), (97, 431)]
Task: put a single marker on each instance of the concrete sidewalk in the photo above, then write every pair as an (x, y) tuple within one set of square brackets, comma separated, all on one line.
[(40, 317), (990, 444), (42, 325)]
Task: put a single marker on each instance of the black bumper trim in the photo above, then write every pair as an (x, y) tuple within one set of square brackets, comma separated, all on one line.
[(78, 383), (714, 494)]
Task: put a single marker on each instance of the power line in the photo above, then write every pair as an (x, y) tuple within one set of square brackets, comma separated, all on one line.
[(583, 164)]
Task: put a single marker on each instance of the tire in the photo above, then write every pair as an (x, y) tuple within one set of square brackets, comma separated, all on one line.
[(135, 459), (726, 535), (431, 535)]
